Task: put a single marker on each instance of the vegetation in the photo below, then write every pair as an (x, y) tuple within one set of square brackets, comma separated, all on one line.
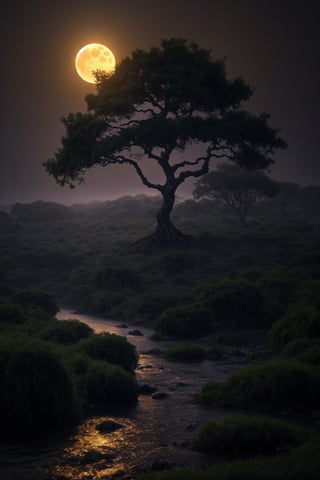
[(233, 286), (37, 390), (276, 385), (110, 348), (239, 436), (156, 105), (235, 188), (49, 372), (184, 321), (186, 353), (302, 462)]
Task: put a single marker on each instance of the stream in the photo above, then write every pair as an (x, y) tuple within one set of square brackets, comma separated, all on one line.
[(153, 435)]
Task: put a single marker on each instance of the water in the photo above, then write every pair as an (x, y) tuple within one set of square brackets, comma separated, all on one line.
[(155, 432)]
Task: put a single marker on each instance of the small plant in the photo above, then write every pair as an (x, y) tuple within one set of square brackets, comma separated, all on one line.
[(186, 353)]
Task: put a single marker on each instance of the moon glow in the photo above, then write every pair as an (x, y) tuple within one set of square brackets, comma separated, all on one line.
[(93, 57)]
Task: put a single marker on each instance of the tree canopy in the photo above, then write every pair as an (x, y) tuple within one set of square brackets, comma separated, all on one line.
[(156, 105)]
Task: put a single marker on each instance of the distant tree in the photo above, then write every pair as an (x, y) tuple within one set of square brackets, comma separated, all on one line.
[(235, 188), (156, 105)]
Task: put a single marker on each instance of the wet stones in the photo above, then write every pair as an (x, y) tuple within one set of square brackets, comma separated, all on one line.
[(147, 389), (135, 333), (108, 426), (160, 396)]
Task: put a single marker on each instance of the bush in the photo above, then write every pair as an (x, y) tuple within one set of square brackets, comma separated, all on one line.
[(302, 463), (186, 353), (154, 304), (66, 332), (36, 298), (111, 348), (247, 436), (184, 321), (234, 302), (276, 385), (10, 313), (104, 385), (116, 278), (37, 390), (301, 321), (304, 350)]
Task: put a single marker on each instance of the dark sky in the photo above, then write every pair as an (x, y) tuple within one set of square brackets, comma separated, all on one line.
[(273, 45)]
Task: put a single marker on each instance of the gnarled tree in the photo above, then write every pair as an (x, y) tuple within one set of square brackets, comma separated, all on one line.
[(156, 105)]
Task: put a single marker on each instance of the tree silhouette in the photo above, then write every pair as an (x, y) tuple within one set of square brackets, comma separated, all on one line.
[(157, 105), (236, 188)]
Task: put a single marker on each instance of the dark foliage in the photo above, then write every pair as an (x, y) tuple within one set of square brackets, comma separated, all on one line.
[(37, 390), (277, 385), (184, 321), (240, 436), (66, 332), (157, 104), (110, 348), (36, 298)]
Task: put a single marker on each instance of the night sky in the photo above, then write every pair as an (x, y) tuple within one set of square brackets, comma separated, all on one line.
[(273, 45)]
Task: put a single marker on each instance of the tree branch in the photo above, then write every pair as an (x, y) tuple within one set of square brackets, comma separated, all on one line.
[(121, 160)]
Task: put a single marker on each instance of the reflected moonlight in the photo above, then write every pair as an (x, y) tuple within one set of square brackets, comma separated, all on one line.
[(94, 57)]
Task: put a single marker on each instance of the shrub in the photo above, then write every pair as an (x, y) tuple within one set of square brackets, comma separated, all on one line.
[(155, 303), (10, 313), (66, 331), (179, 262), (116, 278), (104, 385), (301, 321), (37, 390), (234, 302), (247, 436), (276, 385), (184, 321), (304, 350), (102, 303), (302, 463), (111, 348), (186, 353), (36, 298)]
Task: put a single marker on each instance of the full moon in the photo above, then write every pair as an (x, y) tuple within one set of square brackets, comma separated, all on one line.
[(93, 57)]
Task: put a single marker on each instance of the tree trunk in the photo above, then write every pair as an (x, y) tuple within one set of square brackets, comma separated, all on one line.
[(166, 233)]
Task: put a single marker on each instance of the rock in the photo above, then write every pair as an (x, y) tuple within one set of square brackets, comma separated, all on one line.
[(135, 333), (108, 426), (159, 396), (122, 325), (147, 389), (143, 367), (153, 351), (93, 456)]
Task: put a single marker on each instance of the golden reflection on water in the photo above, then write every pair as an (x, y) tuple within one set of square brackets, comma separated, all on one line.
[(92, 454)]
